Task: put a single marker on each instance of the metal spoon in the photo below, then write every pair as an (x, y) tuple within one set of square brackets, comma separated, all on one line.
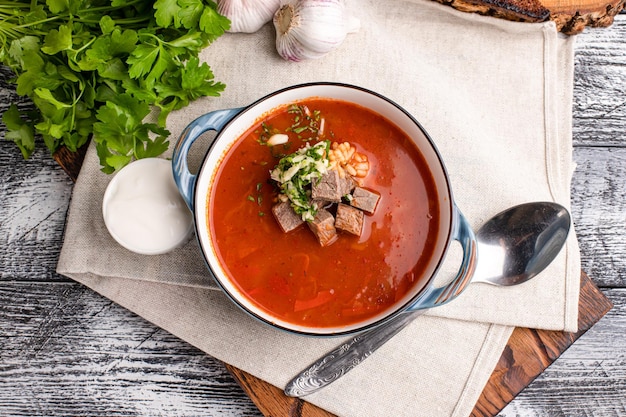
[(513, 247)]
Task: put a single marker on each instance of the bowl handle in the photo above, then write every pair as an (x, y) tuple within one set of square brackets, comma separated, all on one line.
[(185, 180), (462, 232)]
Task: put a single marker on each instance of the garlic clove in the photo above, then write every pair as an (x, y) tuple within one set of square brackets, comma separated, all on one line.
[(247, 16), (309, 29), (353, 24)]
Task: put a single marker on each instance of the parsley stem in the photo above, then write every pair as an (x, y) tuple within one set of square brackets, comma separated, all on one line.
[(112, 8), (124, 22), (85, 46), (151, 35), (38, 22), (128, 22), (14, 31)]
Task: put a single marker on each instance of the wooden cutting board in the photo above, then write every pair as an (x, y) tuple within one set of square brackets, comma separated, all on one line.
[(527, 354), (570, 16)]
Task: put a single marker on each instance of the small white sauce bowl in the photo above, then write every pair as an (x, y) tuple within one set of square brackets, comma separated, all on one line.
[(143, 210)]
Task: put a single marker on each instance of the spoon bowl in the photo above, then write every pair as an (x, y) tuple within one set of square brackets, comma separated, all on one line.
[(513, 247), (517, 244)]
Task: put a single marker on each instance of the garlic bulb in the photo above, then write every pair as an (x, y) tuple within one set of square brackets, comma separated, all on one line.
[(307, 29), (247, 15)]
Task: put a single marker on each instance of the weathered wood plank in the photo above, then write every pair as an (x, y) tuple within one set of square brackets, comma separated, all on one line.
[(570, 17), (599, 213), (599, 109), (64, 350), (35, 197), (588, 379), (530, 351)]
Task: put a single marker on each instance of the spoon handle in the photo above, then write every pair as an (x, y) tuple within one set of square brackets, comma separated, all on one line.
[(346, 356)]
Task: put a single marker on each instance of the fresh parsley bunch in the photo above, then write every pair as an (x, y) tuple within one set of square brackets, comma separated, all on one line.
[(97, 68)]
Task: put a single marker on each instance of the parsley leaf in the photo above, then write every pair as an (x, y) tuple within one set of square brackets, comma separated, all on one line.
[(212, 23), (19, 131), (194, 82), (167, 13), (97, 68), (121, 128), (58, 40), (191, 12)]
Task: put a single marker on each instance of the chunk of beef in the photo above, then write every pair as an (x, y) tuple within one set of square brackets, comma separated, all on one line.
[(323, 227), (321, 204), (349, 219), (347, 185), (331, 187), (286, 217), (364, 199)]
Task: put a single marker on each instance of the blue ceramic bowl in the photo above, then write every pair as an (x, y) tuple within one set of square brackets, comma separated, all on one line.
[(231, 123)]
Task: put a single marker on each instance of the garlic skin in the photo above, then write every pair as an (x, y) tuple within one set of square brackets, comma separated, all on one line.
[(247, 16), (309, 29)]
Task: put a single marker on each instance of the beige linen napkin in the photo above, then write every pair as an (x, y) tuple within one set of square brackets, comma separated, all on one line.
[(496, 98)]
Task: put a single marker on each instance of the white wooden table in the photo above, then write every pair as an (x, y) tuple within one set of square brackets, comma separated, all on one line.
[(65, 350)]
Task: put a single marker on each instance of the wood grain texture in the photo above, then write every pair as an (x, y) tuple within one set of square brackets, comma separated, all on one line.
[(570, 16), (529, 352), (599, 134), (65, 351), (599, 212), (589, 379), (271, 401), (79, 351), (71, 162), (599, 110), (32, 222)]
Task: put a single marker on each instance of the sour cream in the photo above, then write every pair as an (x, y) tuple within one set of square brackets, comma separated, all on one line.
[(143, 210)]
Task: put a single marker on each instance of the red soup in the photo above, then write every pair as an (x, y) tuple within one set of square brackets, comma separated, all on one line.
[(294, 275)]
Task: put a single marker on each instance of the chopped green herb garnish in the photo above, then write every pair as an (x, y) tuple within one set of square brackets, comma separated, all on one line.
[(297, 170), (267, 132), (259, 197), (304, 120)]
